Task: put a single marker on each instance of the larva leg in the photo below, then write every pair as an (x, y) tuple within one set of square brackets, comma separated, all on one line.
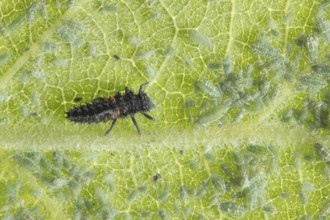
[(112, 125), (136, 125), (149, 117)]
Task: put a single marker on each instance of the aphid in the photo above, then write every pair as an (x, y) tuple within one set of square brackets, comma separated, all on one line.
[(200, 38), (290, 66), (201, 191), (249, 70), (132, 195), (151, 3), (323, 152), (227, 65), (34, 114), (37, 74), (164, 193), (3, 31), (61, 62), (218, 183), (325, 211), (232, 208), (33, 10), (323, 70), (193, 165), (50, 46), (209, 156), (257, 149), (269, 209), (116, 57), (169, 52), (4, 58), (324, 4), (273, 29), (326, 172), (312, 44), (213, 66), (289, 48), (322, 25), (265, 50), (239, 115), (209, 88), (92, 50), (188, 104), (17, 22), (77, 99), (314, 82), (214, 114), (303, 197), (71, 31), (70, 3), (320, 68), (157, 177), (112, 108), (274, 63), (146, 55), (162, 214), (264, 87), (226, 170), (54, 155), (43, 10)]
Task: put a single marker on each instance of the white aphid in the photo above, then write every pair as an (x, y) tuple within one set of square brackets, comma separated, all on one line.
[(209, 88)]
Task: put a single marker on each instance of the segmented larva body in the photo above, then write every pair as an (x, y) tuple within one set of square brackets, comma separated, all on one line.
[(112, 108)]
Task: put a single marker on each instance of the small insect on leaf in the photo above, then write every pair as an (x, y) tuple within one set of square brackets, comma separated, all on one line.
[(146, 55), (4, 58), (77, 99), (200, 39), (214, 114), (312, 44), (112, 108), (116, 57), (265, 50), (322, 25), (325, 210), (313, 82), (323, 70), (17, 22), (157, 177), (232, 208), (209, 88), (323, 152), (3, 31), (50, 46), (227, 65)]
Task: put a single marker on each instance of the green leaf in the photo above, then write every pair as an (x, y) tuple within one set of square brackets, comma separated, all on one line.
[(241, 92)]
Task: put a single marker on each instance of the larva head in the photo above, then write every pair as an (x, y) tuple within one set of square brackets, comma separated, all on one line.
[(146, 103)]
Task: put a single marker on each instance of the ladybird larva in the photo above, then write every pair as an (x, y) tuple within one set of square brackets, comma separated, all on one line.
[(112, 108)]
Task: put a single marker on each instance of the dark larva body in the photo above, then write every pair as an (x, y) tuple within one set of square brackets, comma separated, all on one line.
[(112, 108)]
